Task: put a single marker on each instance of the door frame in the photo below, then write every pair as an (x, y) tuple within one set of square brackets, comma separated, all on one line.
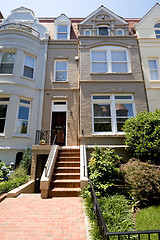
[(60, 108)]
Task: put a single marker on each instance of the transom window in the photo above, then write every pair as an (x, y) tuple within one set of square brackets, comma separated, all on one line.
[(3, 112), (157, 30), (61, 67), (109, 60), (153, 68), (62, 32), (103, 31), (29, 67), (110, 112), (23, 116), (7, 63)]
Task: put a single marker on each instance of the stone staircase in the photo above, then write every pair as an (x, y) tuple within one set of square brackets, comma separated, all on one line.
[(66, 177)]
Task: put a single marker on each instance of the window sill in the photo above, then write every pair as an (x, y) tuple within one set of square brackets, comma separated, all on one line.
[(2, 134), (26, 78), (60, 81), (128, 73), (108, 134), (21, 136), (154, 81), (6, 75)]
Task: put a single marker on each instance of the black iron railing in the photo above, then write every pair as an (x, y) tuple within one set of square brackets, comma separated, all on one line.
[(136, 235), (45, 137), (20, 27)]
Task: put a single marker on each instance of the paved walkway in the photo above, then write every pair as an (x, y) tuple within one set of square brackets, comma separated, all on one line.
[(30, 217)]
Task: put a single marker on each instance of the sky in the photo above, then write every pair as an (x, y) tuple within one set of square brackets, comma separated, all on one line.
[(79, 8)]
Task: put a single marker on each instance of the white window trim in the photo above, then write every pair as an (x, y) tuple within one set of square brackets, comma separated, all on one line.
[(8, 62), (109, 60), (60, 60), (4, 103), (87, 30), (112, 101), (158, 70), (107, 26), (24, 105), (120, 29), (34, 70), (66, 23)]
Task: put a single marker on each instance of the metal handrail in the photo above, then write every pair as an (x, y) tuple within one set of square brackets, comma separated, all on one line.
[(103, 228), (84, 156), (21, 27)]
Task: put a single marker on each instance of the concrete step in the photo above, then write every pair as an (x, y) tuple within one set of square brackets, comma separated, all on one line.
[(67, 164), (67, 170), (65, 183), (69, 159), (66, 176), (64, 192)]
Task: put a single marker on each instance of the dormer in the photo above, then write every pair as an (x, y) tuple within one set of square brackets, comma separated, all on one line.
[(62, 26), (103, 22)]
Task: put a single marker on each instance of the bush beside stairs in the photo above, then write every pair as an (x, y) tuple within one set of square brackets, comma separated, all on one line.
[(66, 176)]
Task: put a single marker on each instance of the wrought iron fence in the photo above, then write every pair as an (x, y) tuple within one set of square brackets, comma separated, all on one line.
[(136, 235), (45, 137), (21, 27)]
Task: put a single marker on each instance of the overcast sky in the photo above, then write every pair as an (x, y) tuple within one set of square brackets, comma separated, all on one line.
[(79, 8)]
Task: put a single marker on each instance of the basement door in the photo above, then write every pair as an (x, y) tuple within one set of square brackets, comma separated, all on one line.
[(59, 127)]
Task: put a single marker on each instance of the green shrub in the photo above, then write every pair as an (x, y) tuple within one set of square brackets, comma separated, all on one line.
[(143, 135), (103, 170), (116, 212), (143, 180), (3, 173), (26, 160)]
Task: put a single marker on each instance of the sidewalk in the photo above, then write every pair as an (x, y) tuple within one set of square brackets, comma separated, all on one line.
[(30, 217)]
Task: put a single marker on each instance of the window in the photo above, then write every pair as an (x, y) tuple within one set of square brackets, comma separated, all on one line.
[(7, 63), (29, 66), (157, 30), (23, 116), (62, 32), (61, 70), (109, 60), (110, 112), (3, 111), (153, 68), (103, 31), (87, 32), (120, 32)]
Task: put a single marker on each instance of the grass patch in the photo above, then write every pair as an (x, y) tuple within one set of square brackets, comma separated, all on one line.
[(16, 179)]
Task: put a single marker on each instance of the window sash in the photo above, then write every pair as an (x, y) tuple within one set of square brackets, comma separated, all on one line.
[(62, 32), (22, 126), (61, 69), (29, 67), (153, 68), (7, 63)]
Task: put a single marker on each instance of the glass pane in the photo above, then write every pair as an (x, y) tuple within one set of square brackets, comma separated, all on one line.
[(28, 72), (2, 123), (119, 67), (24, 101), (99, 56), (61, 76), (123, 97), (154, 75), (103, 31), (157, 31), (87, 33), (62, 36), (8, 57), (152, 64), (99, 67), (118, 56), (103, 127), (3, 110), (62, 28), (101, 97), (157, 36), (61, 65), (6, 68), (59, 103), (120, 123), (4, 99), (119, 32), (102, 110), (124, 110), (23, 113), (29, 61), (22, 126), (157, 25)]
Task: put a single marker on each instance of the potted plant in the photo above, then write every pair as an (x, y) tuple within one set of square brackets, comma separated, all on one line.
[(42, 142)]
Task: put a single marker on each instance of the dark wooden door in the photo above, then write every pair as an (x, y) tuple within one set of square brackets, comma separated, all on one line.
[(59, 127)]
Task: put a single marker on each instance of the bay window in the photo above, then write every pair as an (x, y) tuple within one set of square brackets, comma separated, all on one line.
[(23, 116), (7, 63), (109, 59), (3, 112), (110, 112)]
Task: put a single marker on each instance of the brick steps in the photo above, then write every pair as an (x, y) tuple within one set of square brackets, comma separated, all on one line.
[(66, 177)]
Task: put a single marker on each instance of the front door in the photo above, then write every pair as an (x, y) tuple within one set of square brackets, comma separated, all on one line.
[(59, 127)]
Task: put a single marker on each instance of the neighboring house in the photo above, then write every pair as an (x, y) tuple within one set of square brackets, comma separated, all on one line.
[(23, 52), (148, 33)]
